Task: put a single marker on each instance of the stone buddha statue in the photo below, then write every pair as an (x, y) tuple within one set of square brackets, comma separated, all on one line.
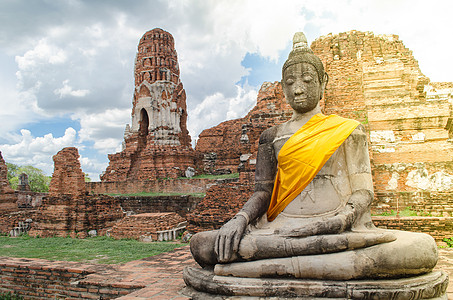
[(309, 217)]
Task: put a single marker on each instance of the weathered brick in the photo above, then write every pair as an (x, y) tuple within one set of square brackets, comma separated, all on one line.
[(67, 177)]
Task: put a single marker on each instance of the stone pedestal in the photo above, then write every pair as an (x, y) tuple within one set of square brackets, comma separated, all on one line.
[(203, 284)]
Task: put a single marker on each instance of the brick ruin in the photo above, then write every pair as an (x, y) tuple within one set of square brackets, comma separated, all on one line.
[(8, 200), (67, 215), (221, 203), (68, 209), (157, 144), (149, 227), (7, 196), (67, 177)]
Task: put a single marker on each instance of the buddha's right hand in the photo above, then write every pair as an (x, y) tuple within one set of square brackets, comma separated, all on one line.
[(228, 238)]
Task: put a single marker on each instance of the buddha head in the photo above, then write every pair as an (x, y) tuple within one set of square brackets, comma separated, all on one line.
[(303, 76)]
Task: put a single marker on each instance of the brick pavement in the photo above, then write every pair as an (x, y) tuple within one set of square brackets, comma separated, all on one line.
[(165, 281), (158, 277), (445, 263)]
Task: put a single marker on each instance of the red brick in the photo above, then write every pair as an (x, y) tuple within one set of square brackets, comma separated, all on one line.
[(67, 177)]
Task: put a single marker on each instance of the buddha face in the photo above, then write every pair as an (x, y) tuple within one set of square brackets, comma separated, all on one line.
[(301, 87)]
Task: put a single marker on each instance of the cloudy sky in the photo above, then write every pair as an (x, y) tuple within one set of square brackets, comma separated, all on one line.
[(66, 67)]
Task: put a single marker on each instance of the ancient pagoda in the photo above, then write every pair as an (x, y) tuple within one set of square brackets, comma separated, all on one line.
[(157, 144)]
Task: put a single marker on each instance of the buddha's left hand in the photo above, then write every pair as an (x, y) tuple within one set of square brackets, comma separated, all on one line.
[(340, 222), (327, 225)]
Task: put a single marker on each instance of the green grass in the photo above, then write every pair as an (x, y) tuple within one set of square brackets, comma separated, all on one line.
[(206, 176), (154, 194), (10, 296), (406, 212), (449, 242), (102, 250)]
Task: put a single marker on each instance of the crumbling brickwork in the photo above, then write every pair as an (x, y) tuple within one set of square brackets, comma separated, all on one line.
[(10, 221), (149, 204), (157, 144), (221, 203), (438, 227), (67, 177), (181, 185), (146, 226), (8, 198), (69, 215)]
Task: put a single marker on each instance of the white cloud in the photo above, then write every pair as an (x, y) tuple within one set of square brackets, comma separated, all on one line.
[(217, 108), (37, 151), (42, 53), (67, 90), (105, 129), (92, 167), (420, 25)]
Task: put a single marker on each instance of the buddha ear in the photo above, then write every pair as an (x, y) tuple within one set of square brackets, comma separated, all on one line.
[(324, 84)]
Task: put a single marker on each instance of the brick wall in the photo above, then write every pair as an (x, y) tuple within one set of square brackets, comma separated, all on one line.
[(437, 227), (8, 221), (42, 279), (435, 204), (179, 204), (75, 216), (7, 196), (221, 203), (377, 80), (146, 226), (188, 186)]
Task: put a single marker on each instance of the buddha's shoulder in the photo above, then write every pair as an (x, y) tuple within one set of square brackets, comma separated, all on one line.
[(268, 135), (359, 134)]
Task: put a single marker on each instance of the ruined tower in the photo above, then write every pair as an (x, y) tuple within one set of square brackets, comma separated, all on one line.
[(157, 143)]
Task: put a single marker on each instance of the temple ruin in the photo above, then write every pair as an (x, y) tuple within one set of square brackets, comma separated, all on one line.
[(68, 209), (157, 143)]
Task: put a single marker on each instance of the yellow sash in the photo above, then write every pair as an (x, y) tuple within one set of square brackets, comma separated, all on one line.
[(304, 154)]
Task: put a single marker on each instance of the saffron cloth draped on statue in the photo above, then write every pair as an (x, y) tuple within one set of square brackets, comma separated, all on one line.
[(304, 154)]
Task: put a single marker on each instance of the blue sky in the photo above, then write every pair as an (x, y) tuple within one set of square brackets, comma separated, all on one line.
[(66, 67)]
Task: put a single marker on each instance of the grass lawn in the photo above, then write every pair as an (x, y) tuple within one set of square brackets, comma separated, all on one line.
[(101, 250), (406, 212), (155, 194), (206, 176)]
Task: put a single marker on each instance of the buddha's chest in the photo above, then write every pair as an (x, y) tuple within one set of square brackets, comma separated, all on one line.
[(326, 193)]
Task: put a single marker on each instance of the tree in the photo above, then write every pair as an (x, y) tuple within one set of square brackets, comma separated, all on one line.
[(37, 180), (13, 175), (87, 177), (12, 170)]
